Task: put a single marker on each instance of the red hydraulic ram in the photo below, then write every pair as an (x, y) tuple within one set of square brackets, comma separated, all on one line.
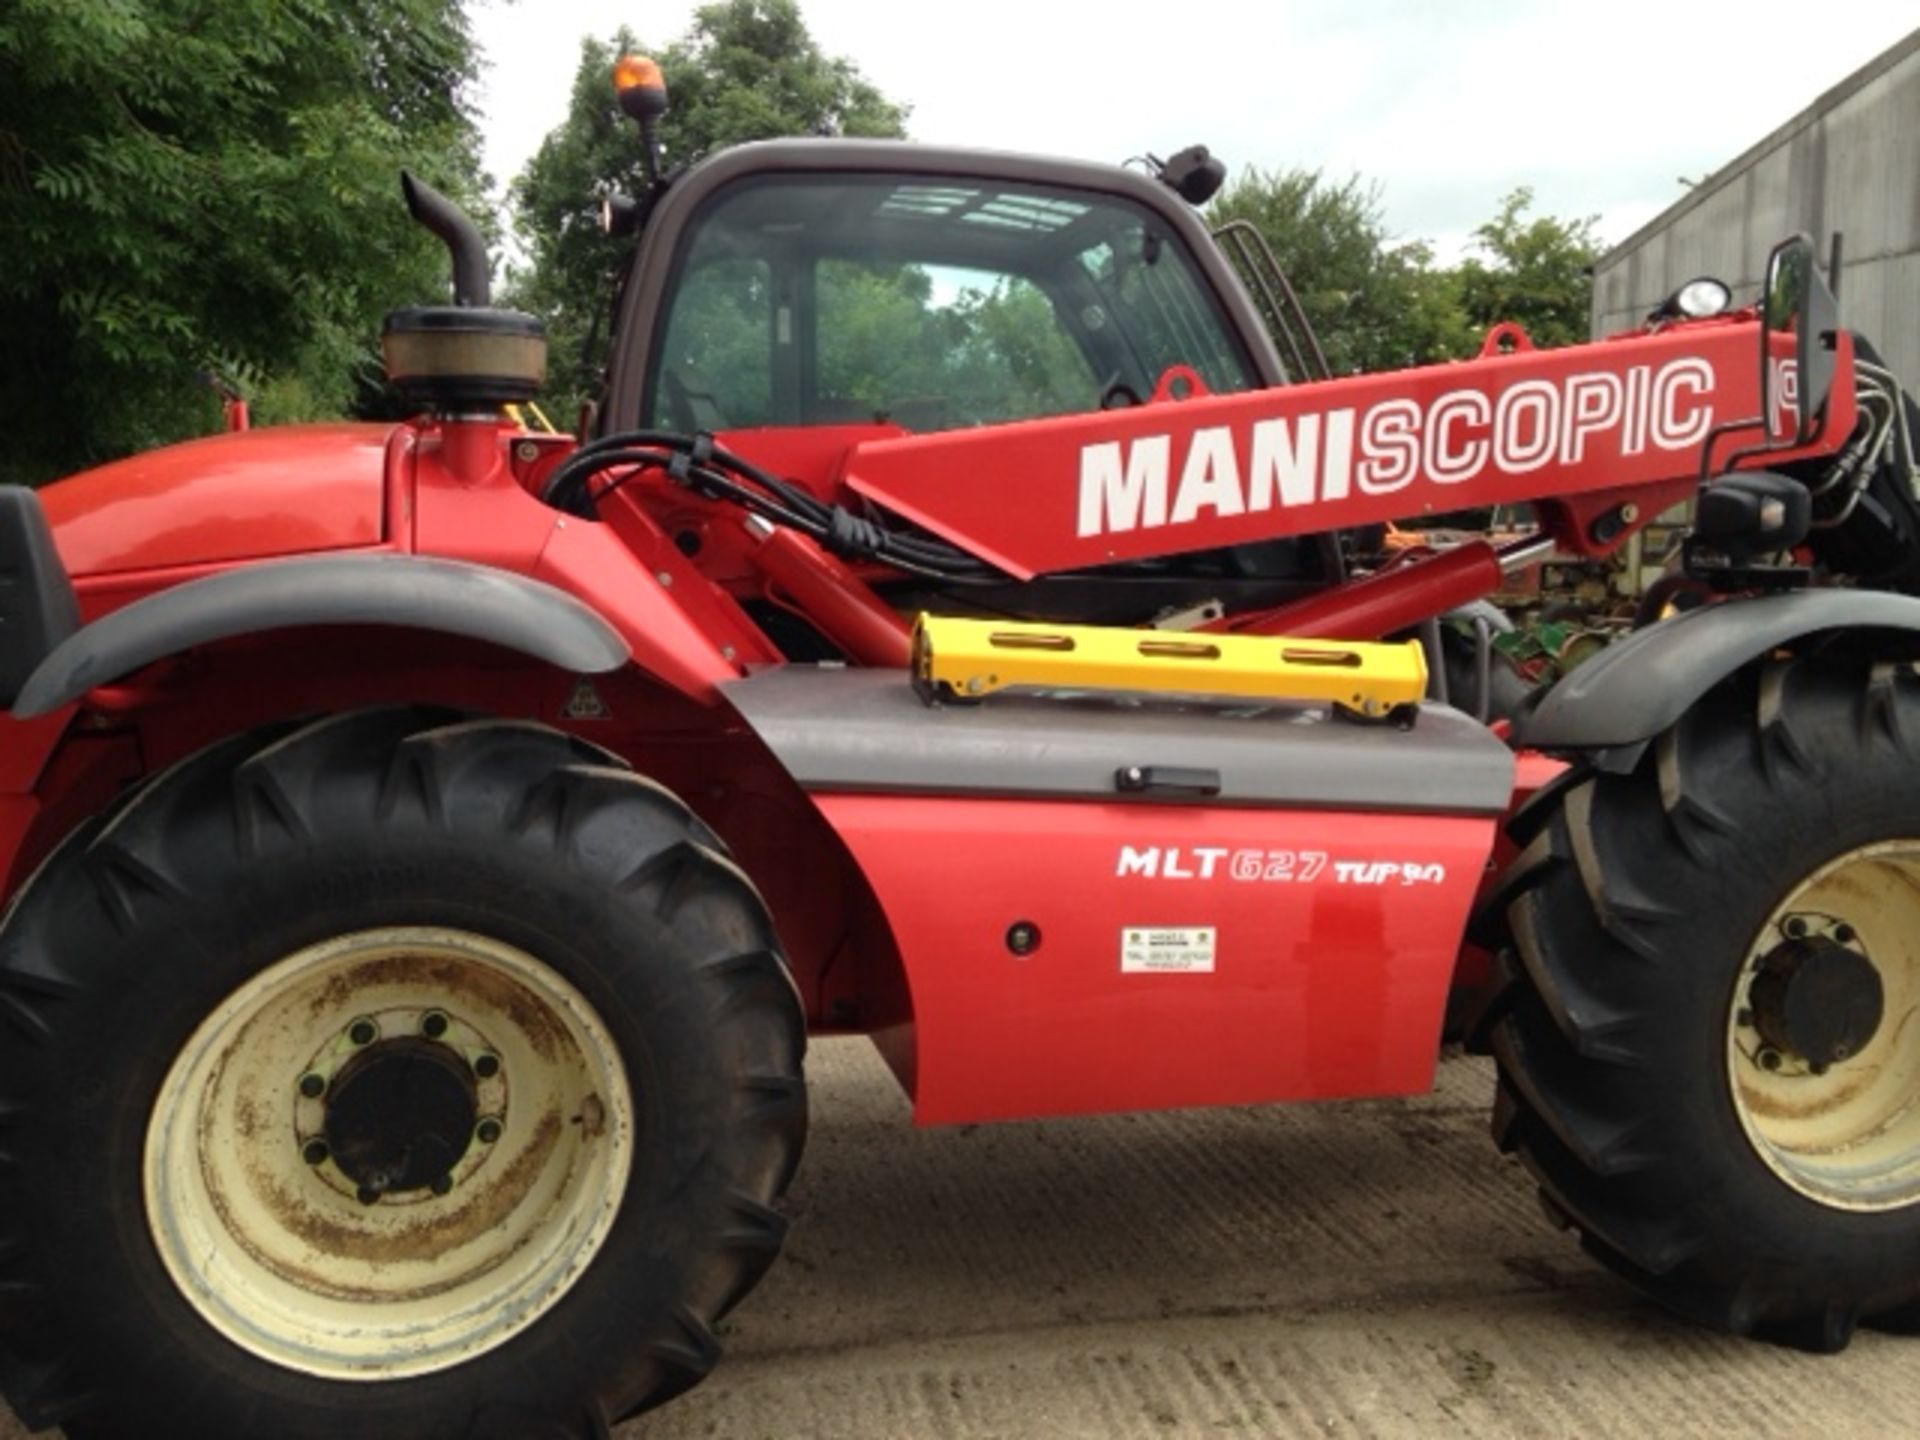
[(831, 596), (1394, 599)]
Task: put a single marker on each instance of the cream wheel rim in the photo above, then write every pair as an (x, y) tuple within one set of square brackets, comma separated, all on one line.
[(1843, 1127), (314, 1257)]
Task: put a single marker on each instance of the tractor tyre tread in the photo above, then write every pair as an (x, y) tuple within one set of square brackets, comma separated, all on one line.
[(1610, 1037), (268, 801)]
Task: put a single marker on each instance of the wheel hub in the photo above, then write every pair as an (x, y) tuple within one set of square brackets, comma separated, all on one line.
[(1823, 1032), (388, 1153), (1817, 1000), (378, 1110), (400, 1115)]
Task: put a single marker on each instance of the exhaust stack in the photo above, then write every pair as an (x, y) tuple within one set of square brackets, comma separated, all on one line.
[(465, 358), (472, 284)]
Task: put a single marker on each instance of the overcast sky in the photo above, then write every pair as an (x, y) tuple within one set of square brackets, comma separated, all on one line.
[(1447, 104)]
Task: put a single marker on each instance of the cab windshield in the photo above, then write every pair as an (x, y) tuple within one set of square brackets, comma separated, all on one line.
[(825, 299)]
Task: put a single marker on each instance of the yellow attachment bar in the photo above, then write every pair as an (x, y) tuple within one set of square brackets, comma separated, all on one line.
[(966, 659), (515, 414)]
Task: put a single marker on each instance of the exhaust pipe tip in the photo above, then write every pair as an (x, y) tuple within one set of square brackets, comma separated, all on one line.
[(472, 283)]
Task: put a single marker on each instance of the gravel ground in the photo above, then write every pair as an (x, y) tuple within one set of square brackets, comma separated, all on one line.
[(1371, 1269)]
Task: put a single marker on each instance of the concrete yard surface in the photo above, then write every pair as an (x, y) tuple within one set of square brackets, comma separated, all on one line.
[(1359, 1269), (1362, 1269)]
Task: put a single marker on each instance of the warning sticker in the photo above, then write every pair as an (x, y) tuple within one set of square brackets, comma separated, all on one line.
[(585, 703), (1183, 950)]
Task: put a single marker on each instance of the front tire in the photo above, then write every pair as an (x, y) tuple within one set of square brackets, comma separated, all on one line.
[(392, 1075), (1706, 1050)]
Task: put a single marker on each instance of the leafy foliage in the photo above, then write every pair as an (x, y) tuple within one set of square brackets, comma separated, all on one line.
[(936, 347), (1381, 304), (1376, 303), (746, 70), (211, 186), (1538, 273)]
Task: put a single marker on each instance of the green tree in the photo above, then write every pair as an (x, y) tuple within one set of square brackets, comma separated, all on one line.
[(944, 347), (211, 186), (1537, 272), (1375, 303), (745, 70)]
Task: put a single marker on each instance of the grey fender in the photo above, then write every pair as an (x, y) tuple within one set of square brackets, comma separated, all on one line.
[(448, 596), (1636, 688)]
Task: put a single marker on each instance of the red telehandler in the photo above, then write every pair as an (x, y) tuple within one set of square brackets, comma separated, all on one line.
[(429, 846)]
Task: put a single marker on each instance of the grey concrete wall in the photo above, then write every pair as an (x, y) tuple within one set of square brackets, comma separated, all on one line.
[(1849, 162)]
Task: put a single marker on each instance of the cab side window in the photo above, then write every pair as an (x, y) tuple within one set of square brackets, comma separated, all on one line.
[(932, 347), (716, 362)]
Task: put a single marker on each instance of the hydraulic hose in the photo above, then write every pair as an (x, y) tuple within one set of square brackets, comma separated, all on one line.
[(697, 463)]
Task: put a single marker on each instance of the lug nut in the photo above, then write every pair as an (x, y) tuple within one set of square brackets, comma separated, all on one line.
[(363, 1031), (487, 1131), (1795, 927), (442, 1185), (314, 1152), (433, 1024), (1769, 1058), (486, 1066), (368, 1195), (313, 1085), (1845, 934)]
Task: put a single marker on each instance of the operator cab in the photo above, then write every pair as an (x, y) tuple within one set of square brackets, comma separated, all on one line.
[(833, 282), (929, 303), (801, 296)]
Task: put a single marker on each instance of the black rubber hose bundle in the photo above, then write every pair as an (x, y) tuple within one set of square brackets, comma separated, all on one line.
[(697, 463)]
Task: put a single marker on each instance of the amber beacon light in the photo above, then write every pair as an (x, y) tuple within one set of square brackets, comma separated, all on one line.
[(641, 87)]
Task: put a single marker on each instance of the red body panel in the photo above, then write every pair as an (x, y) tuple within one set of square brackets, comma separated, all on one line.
[(664, 630), (1329, 982), (243, 496), (467, 506), (1532, 772)]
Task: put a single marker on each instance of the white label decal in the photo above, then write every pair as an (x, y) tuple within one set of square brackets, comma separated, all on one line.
[(1282, 867), (1388, 872), (1205, 862), (1315, 458), (1166, 950)]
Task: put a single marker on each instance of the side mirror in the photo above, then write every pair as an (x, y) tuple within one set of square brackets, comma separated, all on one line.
[(1194, 173), (1796, 304)]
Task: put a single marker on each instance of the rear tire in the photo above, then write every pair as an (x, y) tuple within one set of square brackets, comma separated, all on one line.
[(490, 914), (1727, 1175)]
